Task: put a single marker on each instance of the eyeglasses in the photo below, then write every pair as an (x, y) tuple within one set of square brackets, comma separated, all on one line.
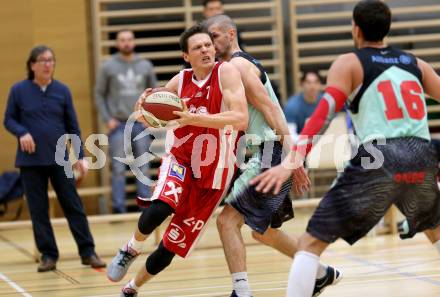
[(45, 61)]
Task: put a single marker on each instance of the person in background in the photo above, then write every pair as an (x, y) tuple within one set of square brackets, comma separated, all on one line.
[(301, 106), (215, 7), (212, 8), (119, 84), (39, 112)]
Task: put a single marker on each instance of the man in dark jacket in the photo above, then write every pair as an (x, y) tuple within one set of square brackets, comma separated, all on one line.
[(39, 113)]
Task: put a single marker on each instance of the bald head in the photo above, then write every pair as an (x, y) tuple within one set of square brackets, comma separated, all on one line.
[(224, 35), (221, 21)]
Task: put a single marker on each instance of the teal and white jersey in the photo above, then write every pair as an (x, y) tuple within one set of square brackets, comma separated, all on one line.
[(390, 103), (258, 128), (258, 125)]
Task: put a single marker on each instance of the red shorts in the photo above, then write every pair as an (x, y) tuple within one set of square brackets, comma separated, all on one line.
[(192, 204)]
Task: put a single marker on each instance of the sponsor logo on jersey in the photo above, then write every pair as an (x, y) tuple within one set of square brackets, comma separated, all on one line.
[(202, 110), (410, 177), (192, 109), (196, 225), (177, 236), (172, 191), (178, 171), (384, 60), (405, 59), (198, 110)]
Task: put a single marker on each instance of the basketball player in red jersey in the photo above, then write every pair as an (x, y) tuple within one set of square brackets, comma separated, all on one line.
[(195, 175)]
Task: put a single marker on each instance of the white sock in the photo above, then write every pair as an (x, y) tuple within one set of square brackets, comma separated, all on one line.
[(132, 285), (240, 284), (134, 245), (322, 270), (302, 275), (437, 245)]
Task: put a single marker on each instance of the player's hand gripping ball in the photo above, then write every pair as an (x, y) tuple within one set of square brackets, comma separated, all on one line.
[(157, 106)]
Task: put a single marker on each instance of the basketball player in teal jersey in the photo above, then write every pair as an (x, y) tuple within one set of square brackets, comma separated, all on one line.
[(396, 164), (263, 213)]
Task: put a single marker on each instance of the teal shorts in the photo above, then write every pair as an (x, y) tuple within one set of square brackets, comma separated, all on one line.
[(261, 210)]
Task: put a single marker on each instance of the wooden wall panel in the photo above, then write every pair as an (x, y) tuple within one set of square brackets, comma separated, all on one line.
[(158, 24), (15, 21)]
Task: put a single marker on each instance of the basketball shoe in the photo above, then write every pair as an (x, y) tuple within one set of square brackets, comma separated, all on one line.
[(233, 294), (403, 229), (332, 277), (128, 292), (121, 262)]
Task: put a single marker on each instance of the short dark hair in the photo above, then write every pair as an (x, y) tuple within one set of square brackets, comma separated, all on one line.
[(124, 30), (205, 2), (311, 71), (373, 17), (33, 55), (196, 29)]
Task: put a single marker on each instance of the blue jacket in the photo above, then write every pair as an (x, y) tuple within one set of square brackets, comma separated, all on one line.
[(297, 110), (45, 115)]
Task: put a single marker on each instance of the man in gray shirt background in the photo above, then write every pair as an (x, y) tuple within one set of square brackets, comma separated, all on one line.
[(120, 81)]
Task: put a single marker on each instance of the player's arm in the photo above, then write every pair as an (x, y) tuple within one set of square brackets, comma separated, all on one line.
[(173, 84), (13, 125), (430, 80), (257, 95), (339, 85), (101, 93), (234, 100)]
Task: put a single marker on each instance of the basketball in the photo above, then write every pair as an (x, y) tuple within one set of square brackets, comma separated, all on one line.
[(158, 105)]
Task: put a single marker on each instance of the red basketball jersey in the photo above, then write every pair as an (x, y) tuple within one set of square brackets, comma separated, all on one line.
[(209, 152)]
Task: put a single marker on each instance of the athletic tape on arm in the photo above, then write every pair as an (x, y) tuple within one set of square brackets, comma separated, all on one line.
[(331, 102)]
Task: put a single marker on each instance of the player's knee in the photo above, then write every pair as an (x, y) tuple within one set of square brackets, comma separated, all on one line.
[(221, 222), (226, 221), (259, 237), (266, 238), (312, 244), (153, 216), (436, 233), (159, 260)]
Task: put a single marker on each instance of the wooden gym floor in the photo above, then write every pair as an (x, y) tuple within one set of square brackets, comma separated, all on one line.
[(381, 266)]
